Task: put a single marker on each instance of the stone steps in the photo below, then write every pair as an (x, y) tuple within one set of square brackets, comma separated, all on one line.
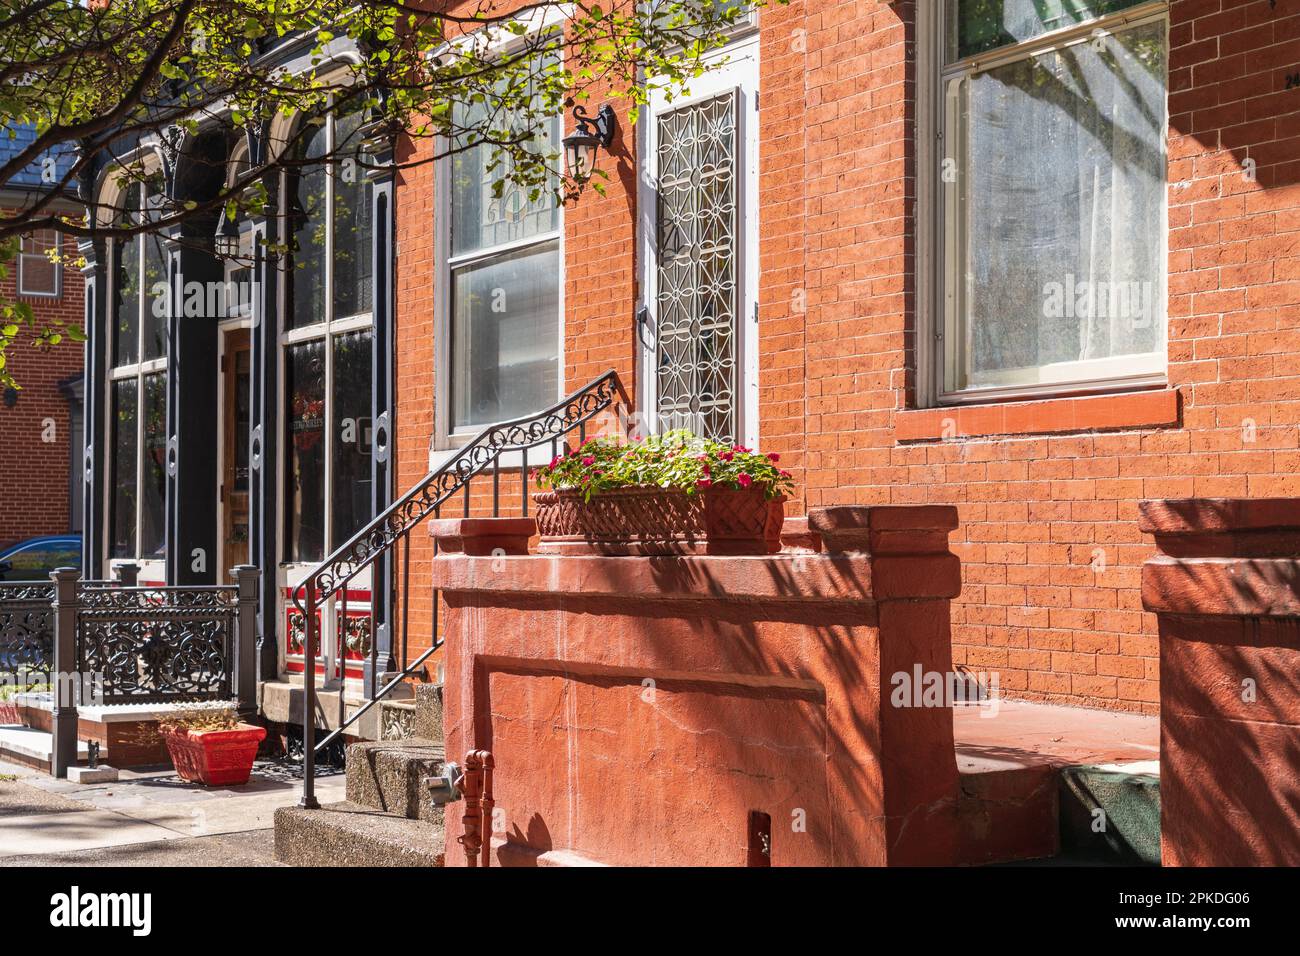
[(1083, 814), (349, 834), (388, 775), (387, 818)]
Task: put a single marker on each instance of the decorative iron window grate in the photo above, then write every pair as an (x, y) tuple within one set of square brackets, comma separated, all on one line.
[(697, 268)]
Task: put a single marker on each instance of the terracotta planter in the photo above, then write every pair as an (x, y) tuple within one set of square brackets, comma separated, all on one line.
[(650, 521), (214, 758)]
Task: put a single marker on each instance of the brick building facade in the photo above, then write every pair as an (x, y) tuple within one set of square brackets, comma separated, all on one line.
[(890, 191), (40, 422), (1047, 485)]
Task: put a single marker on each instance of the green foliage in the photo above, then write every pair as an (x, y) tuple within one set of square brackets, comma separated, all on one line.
[(676, 459), (102, 77)]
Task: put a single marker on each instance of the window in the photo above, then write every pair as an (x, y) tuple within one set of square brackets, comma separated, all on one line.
[(37, 274), (327, 345), (504, 280), (1053, 178), (138, 385)]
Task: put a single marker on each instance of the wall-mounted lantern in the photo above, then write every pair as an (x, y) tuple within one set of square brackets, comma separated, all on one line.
[(590, 133), (226, 243)]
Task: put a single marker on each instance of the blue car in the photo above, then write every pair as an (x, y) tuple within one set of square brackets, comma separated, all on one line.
[(35, 558)]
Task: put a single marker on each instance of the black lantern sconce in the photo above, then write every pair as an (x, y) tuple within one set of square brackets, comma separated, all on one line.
[(226, 243), (591, 132)]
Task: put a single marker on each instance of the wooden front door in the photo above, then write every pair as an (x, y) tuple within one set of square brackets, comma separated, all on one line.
[(236, 397)]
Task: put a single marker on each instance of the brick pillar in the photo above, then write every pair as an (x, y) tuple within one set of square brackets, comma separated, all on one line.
[(706, 710), (1226, 588)]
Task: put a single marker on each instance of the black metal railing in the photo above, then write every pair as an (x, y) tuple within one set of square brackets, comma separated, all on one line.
[(27, 627), (114, 643), (381, 536)]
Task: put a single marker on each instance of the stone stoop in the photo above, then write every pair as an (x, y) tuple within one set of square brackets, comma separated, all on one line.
[(388, 775), (428, 712), (1111, 814), (349, 834), (386, 820), (1105, 815)]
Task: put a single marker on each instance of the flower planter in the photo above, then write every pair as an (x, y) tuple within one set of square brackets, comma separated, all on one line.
[(658, 521), (214, 758), (9, 713)]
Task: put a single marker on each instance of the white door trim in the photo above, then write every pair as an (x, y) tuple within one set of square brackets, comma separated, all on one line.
[(740, 72)]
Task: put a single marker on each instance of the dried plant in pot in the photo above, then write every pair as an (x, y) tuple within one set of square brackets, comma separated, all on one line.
[(674, 493), (209, 745)]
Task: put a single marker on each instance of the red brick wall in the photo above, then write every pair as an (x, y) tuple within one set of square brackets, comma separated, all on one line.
[(1047, 494), (34, 473)]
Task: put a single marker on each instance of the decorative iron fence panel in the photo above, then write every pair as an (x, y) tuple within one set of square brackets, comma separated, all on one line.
[(155, 645), (26, 632)]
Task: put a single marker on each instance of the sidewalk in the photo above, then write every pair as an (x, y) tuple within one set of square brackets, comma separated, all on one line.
[(145, 819)]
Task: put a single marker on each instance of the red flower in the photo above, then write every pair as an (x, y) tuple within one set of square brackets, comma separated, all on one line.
[(773, 456), (703, 483), (554, 461), (744, 480), (742, 449), (706, 469), (784, 473), (589, 460), (727, 455)]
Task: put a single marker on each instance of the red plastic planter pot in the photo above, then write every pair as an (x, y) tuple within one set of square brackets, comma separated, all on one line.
[(215, 758)]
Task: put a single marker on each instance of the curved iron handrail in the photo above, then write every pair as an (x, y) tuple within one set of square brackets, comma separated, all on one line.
[(331, 575), (439, 485)]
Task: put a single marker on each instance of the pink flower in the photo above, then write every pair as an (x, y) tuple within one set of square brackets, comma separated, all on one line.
[(742, 449), (727, 455), (773, 456), (784, 473), (707, 471), (703, 483), (554, 461), (589, 460), (744, 480)]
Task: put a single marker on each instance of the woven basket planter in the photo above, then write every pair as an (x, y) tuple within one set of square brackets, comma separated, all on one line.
[(657, 521)]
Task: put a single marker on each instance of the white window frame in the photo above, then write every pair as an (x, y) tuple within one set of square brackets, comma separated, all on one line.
[(939, 328), (446, 437), (23, 256), (740, 71)]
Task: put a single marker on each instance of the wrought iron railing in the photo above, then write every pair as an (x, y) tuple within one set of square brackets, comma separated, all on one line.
[(119, 644), (380, 537), (26, 632), (157, 645), (27, 626)]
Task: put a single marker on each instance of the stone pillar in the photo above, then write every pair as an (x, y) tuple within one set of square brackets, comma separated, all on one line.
[(706, 710), (1225, 585)]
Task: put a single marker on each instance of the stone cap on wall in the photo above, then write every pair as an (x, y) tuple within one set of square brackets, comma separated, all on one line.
[(1223, 556), (865, 553)]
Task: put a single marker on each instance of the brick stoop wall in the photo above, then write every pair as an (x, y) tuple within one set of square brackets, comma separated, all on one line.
[(34, 473), (1047, 491)]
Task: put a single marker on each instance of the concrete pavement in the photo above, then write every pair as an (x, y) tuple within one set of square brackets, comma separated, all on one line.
[(144, 819)]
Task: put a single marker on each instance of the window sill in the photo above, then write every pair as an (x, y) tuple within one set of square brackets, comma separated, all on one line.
[(1048, 416)]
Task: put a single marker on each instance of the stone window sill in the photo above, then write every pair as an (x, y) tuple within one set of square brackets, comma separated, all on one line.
[(1047, 416)]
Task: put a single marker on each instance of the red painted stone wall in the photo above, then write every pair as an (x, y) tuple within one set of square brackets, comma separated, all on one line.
[(34, 473), (1047, 492)]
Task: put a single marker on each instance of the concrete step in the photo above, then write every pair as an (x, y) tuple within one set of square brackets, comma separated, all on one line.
[(31, 747), (1111, 813), (1006, 812), (347, 834), (428, 712), (387, 775)]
